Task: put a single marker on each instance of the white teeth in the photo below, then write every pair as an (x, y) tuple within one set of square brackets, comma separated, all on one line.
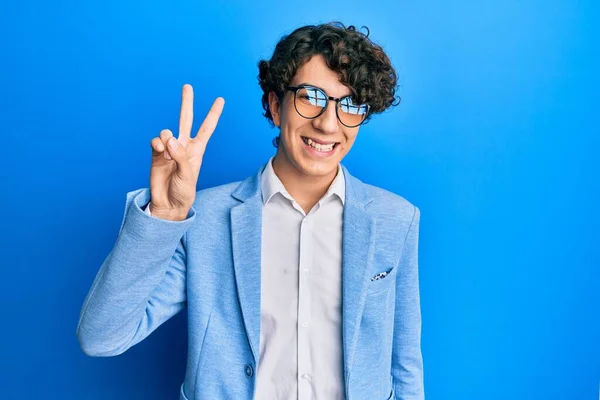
[(319, 147)]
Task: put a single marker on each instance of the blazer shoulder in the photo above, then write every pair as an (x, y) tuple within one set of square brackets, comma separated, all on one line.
[(216, 195), (389, 203)]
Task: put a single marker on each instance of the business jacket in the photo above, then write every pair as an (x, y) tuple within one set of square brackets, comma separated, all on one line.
[(210, 262)]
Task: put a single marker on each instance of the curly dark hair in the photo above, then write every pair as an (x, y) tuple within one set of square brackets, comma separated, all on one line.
[(361, 64)]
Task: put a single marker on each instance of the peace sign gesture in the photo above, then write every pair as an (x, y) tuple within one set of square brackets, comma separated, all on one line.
[(176, 162)]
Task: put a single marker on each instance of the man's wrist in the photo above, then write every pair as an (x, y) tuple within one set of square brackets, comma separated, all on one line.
[(171, 215)]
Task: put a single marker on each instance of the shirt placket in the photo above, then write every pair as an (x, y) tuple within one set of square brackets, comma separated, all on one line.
[(304, 326)]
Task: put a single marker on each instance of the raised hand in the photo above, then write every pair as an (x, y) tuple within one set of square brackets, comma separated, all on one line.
[(176, 162)]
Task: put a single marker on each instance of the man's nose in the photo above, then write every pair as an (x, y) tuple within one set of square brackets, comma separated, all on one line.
[(327, 122)]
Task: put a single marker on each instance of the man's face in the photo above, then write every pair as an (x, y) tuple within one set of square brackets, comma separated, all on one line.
[(325, 128)]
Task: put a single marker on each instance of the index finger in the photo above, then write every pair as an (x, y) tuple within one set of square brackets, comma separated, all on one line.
[(210, 122), (186, 115)]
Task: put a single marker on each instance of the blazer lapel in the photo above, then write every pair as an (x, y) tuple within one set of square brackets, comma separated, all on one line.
[(246, 228), (358, 238)]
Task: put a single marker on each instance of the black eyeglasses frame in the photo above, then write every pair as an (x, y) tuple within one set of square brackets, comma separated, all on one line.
[(327, 98)]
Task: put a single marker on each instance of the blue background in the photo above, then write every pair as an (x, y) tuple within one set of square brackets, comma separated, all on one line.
[(496, 141)]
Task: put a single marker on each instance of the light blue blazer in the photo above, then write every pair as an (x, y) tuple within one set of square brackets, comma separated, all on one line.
[(210, 262)]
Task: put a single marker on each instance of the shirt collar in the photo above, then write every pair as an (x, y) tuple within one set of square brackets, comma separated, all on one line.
[(271, 184)]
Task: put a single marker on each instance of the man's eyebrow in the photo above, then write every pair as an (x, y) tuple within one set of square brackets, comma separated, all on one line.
[(324, 91)]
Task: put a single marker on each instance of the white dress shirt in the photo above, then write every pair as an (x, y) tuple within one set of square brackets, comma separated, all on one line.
[(301, 294)]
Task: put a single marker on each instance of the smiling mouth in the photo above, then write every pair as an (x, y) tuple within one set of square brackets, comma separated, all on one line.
[(319, 147)]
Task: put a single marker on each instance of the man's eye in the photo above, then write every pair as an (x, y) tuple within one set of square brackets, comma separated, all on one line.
[(310, 99)]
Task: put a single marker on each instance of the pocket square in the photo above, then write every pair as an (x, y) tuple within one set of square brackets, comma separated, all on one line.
[(380, 275)]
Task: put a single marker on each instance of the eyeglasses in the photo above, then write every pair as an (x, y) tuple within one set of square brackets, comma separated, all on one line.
[(310, 102)]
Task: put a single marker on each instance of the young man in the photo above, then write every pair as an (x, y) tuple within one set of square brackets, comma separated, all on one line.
[(301, 281)]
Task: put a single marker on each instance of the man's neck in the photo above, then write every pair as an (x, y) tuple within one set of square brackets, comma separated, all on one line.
[(305, 189)]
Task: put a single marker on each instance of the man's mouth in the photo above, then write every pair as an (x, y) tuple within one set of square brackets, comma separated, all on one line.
[(319, 147)]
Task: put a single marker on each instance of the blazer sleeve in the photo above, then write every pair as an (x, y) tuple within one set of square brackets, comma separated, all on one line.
[(407, 360), (140, 284)]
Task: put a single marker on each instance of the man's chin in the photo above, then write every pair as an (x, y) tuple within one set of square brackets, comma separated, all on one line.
[(317, 169)]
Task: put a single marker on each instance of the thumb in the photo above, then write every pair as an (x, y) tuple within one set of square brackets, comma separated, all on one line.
[(179, 154)]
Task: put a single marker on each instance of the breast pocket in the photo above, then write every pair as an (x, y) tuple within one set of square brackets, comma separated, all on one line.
[(382, 280)]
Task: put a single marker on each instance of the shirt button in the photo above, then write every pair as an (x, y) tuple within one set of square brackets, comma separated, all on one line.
[(305, 376), (305, 324), (306, 271), (249, 371)]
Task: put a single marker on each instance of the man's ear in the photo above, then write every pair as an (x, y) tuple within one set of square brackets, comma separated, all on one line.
[(275, 108)]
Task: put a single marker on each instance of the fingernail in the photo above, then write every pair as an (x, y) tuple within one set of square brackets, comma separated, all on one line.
[(167, 155), (173, 143)]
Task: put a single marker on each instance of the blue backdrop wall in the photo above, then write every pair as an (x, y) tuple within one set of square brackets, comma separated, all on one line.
[(496, 141)]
